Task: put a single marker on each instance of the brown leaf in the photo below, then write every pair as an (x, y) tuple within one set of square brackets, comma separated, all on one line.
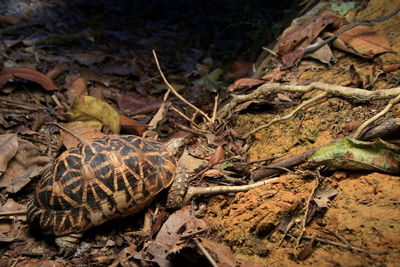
[(8, 149), (391, 67), (323, 54), (217, 157), (244, 82), (239, 68), (56, 71), (355, 78), (191, 163), (292, 58), (76, 86), (180, 223), (32, 75), (79, 128), (26, 164), (363, 41), (304, 35), (132, 126), (135, 105), (212, 173), (222, 253), (274, 75), (117, 70)]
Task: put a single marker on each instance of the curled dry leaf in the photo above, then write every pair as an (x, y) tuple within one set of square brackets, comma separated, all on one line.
[(132, 126), (32, 75), (26, 164), (8, 149), (95, 112), (79, 128), (245, 82), (363, 41)]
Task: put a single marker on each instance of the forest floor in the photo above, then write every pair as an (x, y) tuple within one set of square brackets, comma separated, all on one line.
[(309, 215)]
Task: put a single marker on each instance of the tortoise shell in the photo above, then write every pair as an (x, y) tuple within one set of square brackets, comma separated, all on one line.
[(103, 179)]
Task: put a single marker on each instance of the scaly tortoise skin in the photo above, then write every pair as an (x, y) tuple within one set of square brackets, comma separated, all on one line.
[(104, 179)]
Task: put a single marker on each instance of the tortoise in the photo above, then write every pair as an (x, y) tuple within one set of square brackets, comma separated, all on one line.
[(99, 180)]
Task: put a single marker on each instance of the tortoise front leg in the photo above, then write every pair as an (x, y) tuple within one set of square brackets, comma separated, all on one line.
[(178, 188), (67, 244)]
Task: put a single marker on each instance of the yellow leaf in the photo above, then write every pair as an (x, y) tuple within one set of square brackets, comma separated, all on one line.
[(95, 112)]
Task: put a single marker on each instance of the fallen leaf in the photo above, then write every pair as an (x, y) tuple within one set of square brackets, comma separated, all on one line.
[(8, 149), (343, 8), (32, 75), (352, 154), (26, 164), (306, 33), (391, 67), (273, 76), (239, 68), (117, 70), (131, 126), (323, 197), (180, 223), (292, 58), (323, 54), (135, 105), (217, 157), (245, 82), (363, 41), (96, 113), (221, 253), (355, 78), (56, 71), (191, 163), (80, 129), (76, 86)]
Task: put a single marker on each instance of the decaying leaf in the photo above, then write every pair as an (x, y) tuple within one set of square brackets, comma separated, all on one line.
[(132, 126), (135, 105), (8, 149), (217, 157), (95, 112), (363, 41), (306, 33), (79, 128), (76, 86), (29, 74), (323, 54), (180, 223), (26, 164), (343, 8), (352, 154), (222, 253), (245, 82), (323, 196)]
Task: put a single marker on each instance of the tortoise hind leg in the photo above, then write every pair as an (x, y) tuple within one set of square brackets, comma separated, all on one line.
[(67, 244)]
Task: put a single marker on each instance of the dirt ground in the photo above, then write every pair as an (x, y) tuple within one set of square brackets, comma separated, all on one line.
[(357, 222)]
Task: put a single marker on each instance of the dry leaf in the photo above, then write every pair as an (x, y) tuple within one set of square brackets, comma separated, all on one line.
[(56, 71), (244, 82), (217, 157), (132, 126), (239, 68), (8, 149), (79, 128), (26, 164), (96, 113), (323, 54), (363, 41), (76, 86), (32, 75), (222, 253)]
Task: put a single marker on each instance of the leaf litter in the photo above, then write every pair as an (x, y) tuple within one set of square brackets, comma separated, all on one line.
[(108, 78)]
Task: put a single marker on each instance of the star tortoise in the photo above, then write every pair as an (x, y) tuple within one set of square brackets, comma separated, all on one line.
[(97, 181)]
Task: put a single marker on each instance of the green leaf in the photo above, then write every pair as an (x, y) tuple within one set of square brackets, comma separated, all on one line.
[(225, 165), (209, 81), (96, 113), (352, 154), (343, 8)]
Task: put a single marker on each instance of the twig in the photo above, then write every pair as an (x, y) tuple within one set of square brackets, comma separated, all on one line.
[(303, 222), (365, 124), (67, 131), (184, 116), (176, 93), (205, 252), (193, 131), (12, 213), (313, 47), (327, 241), (270, 51), (214, 190), (214, 116), (288, 116)]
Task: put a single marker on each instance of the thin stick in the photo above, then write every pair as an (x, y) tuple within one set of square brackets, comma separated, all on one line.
[(175, 92), (185, 117), (67, 131), (205, 252), (303, 223), (12, 213), (215, 190), (270, 51), (193, 131), (291, 114), (214, 116), (365, 124)]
